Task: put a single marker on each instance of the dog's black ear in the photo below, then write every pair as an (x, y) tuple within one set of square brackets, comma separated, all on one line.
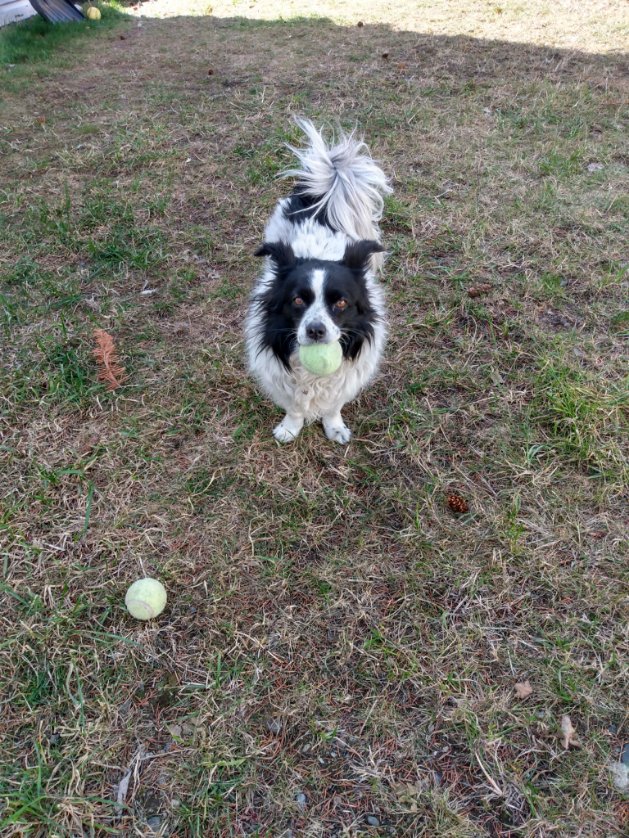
[(357, 254), (281, 253)]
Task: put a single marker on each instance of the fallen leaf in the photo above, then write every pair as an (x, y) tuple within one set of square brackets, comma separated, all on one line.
[(408, 795), (569, 733), (109, 370), (523, 689), (123, 788)]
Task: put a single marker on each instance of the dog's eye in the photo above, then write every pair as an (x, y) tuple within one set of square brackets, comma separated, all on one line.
[(340, 305), (297, 301)]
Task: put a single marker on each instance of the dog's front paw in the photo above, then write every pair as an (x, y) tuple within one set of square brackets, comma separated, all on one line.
[(337, 431), (282, 434), (287, 430)]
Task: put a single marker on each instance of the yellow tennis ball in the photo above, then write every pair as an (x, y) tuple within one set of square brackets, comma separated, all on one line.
[(145, 599), (321, 358), (92, 13)]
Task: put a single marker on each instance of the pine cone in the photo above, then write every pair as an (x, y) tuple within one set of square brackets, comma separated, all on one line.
[(457, 503), (478, 290)]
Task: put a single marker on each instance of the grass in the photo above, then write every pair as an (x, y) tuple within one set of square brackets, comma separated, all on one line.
[(340, 651), (31, 50)]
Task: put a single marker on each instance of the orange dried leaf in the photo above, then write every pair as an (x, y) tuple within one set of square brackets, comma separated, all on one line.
[(110, 371)]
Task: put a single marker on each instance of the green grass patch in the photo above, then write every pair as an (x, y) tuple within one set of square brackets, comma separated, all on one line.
[(33, 48), (584, 420)]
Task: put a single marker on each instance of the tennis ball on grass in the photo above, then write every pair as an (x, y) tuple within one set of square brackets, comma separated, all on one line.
[(145, 599), (321, 358), (92, 13)]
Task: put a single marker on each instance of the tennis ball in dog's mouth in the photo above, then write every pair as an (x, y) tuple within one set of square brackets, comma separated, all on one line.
[(145, 599), (92, 13), (321, 358)]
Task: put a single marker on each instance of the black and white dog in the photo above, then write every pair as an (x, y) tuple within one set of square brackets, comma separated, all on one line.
[(319, 285)]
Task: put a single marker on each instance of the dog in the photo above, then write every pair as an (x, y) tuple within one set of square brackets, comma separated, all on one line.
[(322, 252)]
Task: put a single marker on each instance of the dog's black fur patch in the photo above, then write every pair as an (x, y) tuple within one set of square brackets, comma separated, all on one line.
[(299, 206)]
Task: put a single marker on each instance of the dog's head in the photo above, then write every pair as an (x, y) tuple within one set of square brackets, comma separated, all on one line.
[(317, 301)]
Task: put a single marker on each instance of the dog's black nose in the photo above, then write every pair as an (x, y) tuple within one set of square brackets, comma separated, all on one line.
[(315, 331)]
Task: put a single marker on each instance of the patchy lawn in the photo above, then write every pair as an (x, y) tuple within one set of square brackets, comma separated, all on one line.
[(342, 654)]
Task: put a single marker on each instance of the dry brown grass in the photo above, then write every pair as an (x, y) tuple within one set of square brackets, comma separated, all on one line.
[(341, 650)]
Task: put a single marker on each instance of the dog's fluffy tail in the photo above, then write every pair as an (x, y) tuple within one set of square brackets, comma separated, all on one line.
[(344, 182)]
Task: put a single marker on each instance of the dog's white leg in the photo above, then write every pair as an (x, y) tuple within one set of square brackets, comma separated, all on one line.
[(335, 428), (289, 427)]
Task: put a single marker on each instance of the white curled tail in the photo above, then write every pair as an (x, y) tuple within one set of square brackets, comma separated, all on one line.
[(345, 183)]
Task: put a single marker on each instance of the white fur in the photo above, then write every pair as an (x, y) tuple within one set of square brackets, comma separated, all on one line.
[(318, 312), (350, 185)]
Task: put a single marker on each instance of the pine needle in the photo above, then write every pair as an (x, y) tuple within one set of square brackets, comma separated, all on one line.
[(110, 371)]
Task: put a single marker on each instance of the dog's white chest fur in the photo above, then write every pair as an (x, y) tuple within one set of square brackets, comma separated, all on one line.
[(313, 397)]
